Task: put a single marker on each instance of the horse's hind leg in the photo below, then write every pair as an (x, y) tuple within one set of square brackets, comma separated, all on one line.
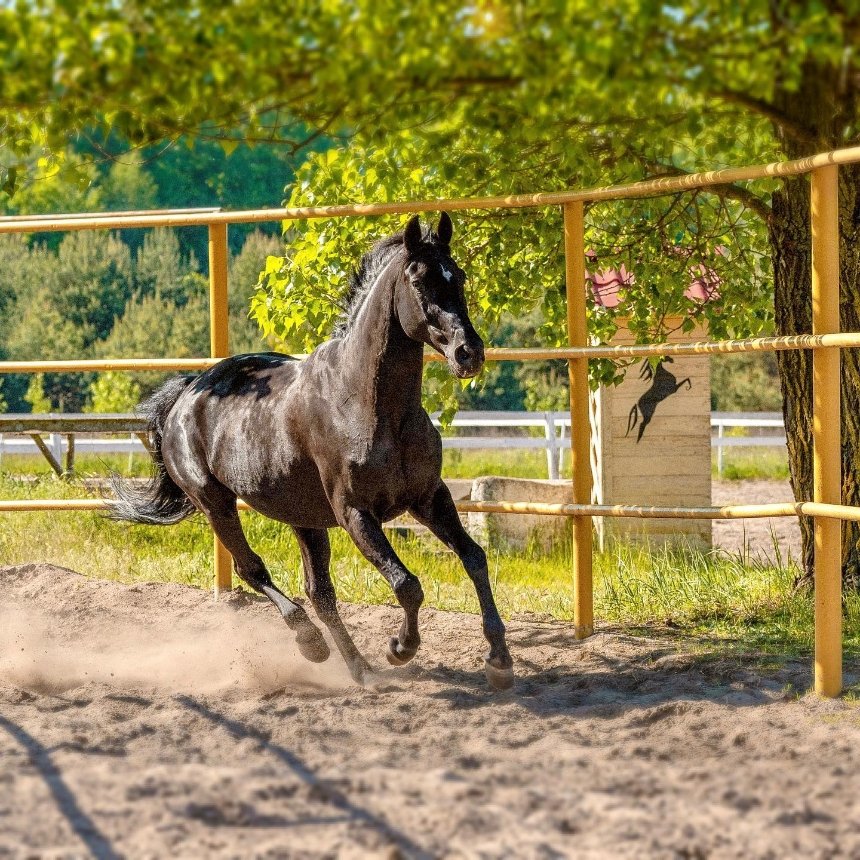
[(316, 557), (219, 506), (440, 515)]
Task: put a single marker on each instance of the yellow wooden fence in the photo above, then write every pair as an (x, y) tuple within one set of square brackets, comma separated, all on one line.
[(825, 340)]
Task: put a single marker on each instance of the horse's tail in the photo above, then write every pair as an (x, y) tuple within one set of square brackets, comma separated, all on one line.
[(160, 502)]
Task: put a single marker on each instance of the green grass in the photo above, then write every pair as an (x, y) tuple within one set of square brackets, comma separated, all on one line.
[(86, 465), (738, 463), (746, 463), (742, 603), (522, 463)]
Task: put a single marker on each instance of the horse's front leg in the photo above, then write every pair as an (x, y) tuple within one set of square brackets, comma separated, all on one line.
[(439, 514), (366, 532)]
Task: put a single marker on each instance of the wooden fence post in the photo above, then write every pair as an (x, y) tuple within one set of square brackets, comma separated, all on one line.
[(218, 336), (826, 435), (580, 425)]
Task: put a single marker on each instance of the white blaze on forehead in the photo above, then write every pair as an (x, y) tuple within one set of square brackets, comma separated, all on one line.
[(446, 274)]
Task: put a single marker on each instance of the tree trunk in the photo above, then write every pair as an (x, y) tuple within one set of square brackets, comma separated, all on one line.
[(818, 106)]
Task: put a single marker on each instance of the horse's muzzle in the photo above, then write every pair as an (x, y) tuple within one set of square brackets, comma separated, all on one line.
[(467, 358)]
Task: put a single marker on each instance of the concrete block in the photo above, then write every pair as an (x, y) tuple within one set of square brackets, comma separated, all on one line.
[(516, 531)]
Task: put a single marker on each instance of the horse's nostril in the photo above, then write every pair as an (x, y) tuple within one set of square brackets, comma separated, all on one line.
[(464, 354)]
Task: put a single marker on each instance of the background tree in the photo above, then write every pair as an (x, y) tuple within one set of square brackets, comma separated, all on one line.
[(69, 301), (153, 325), (113, 392), (159, 267), (36, 396), (244, 272)]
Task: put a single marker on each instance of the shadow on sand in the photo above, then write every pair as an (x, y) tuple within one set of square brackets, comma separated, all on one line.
[(95, 841), (337, 798)]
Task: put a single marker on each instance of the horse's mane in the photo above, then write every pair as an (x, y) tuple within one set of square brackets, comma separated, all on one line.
[(364, 277)]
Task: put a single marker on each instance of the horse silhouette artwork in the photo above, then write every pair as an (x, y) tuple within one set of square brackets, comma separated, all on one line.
[(339, 439), (663, 385)]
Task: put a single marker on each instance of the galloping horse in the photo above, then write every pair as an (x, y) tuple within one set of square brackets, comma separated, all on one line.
[(340, 439)]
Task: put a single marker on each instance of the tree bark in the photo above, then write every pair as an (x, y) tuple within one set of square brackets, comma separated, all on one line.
[(822, 106)]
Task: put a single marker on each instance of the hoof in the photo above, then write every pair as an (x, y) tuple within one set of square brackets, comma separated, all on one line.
[(313, 646), (362, 673), (397, 655), (378, 682), (500, 679)]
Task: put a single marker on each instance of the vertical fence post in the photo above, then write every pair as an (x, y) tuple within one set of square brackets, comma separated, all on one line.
[(551, 446), (219, 349), (826, 435), (580, 424), (720, 434)]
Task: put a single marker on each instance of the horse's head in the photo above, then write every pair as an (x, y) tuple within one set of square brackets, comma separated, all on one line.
[(430, 301)]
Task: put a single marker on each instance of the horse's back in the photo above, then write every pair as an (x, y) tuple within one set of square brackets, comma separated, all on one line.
[(230, 425), (249, 374)]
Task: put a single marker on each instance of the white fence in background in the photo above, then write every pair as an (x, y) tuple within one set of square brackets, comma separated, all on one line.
[(554, 440), (746, 421)]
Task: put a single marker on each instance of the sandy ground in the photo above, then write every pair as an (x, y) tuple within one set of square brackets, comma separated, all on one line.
[(764, 538), (148, 721)]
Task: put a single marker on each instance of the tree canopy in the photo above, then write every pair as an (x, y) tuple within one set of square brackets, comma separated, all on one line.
[(572, 89)]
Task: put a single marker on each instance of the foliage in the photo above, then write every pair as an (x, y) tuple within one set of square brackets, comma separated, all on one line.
[(76, 190), (35, 395), (127, 186), (244, 272), (65, 302), (92, 298), (85, 286), (301, 295), (114, 392), (214, 70), (512, 98), (513, 258), (745, 382), (153, 326), (159, 267)]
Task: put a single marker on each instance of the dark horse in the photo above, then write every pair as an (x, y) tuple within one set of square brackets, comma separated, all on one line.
[(340, 439)]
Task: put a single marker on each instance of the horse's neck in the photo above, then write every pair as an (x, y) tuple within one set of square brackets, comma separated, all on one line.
[(384, 364)]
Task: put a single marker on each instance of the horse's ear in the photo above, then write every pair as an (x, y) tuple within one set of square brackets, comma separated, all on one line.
[(412, 236), (445, 230)]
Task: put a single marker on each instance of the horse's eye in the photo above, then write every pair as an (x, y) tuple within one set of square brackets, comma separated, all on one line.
[(412, 270)]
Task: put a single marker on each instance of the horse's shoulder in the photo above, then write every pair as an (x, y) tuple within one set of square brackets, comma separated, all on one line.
[(419, 423)]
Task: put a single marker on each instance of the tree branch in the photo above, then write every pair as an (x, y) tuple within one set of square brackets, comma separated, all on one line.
[(792, 128), (727, 191)]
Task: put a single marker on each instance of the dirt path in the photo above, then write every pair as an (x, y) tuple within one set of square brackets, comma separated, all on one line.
[(148, 721)]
